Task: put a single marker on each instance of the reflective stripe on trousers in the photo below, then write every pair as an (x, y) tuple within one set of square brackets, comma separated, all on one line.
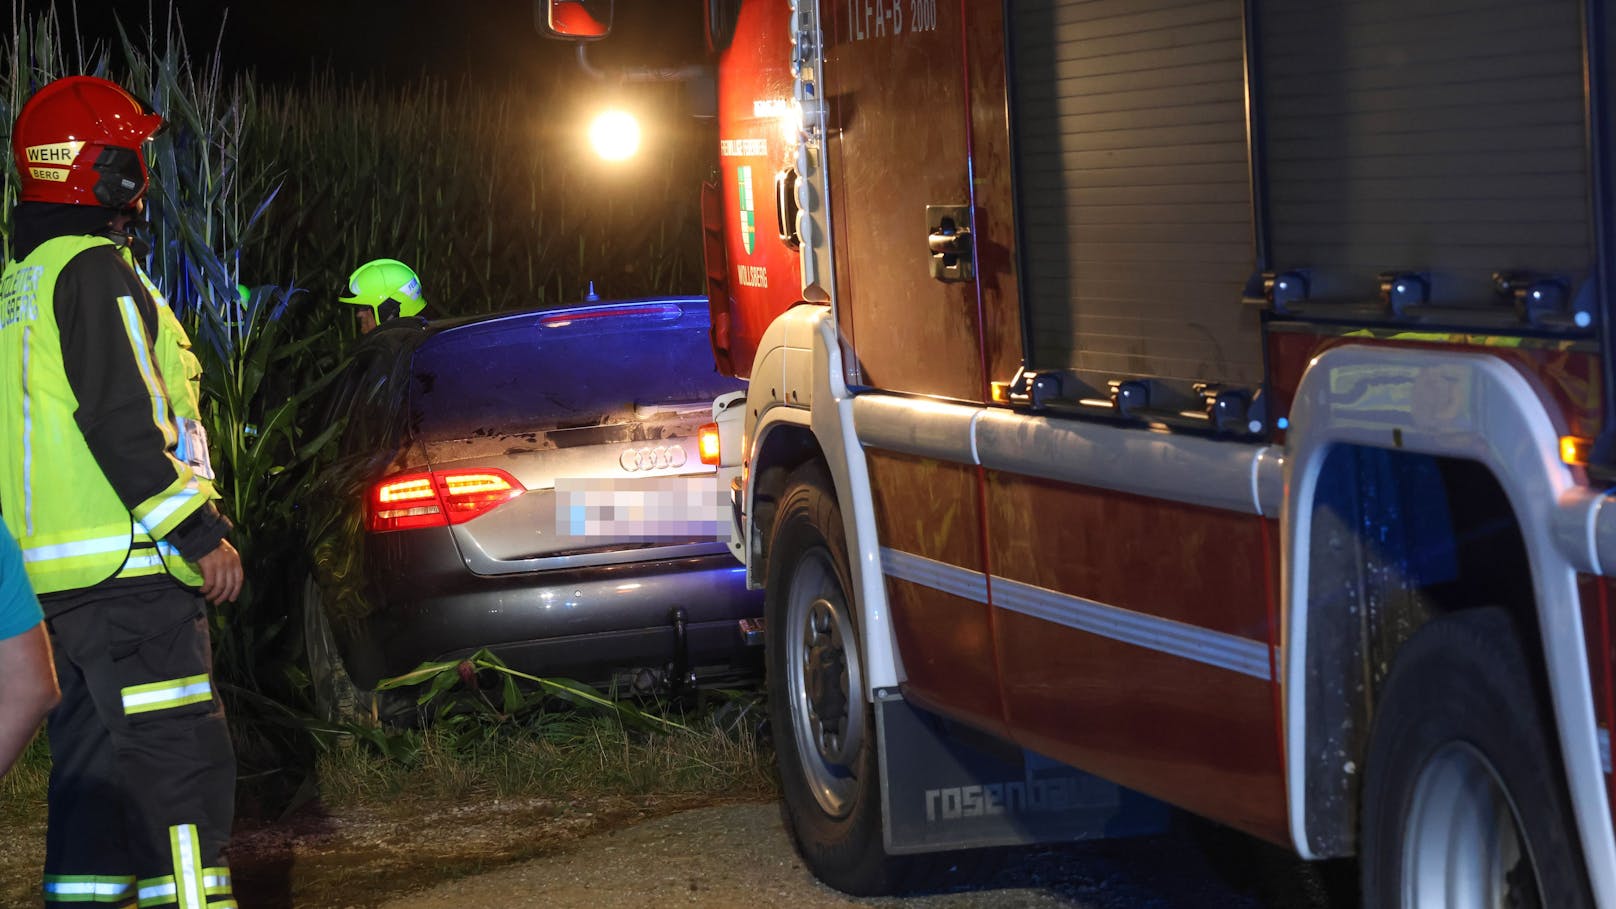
[(101, 889), (163, 695)]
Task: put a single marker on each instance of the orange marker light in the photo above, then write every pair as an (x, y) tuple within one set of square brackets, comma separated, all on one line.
[(1575, 451), (708, 438)]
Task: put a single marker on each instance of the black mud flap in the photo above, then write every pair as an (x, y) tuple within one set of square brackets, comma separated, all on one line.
[(940, 793)]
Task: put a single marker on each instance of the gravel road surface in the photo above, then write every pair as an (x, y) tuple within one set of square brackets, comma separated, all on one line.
[(739, 856)]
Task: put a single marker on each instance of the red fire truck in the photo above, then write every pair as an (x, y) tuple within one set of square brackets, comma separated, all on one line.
[(1178, 403)]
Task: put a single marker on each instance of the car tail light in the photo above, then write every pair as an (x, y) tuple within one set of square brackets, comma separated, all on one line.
[(438, 498), (405, 502), (469, 493), (707, 436)]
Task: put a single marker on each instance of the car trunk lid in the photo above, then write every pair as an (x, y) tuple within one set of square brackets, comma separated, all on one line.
[(596, 413)]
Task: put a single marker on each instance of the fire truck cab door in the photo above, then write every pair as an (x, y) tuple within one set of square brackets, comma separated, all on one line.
[(898, 147)]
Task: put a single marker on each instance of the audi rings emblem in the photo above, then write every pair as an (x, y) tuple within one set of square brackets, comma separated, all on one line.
[(660, 457)]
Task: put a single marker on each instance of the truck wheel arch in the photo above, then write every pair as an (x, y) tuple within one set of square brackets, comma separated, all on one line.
[(800, 408), (1499, 421), (783, 445), (1400, 539)]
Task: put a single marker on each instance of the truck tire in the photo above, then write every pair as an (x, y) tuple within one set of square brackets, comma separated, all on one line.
[(823, 729), (1464, 803)]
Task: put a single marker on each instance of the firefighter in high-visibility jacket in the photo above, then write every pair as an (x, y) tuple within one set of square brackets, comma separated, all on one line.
[(105, 482)]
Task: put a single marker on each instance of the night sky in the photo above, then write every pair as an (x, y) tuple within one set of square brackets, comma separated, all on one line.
[(381, 40)]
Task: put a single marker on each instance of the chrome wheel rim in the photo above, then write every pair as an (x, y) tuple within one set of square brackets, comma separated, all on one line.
[(1462, 841), (824, 679)]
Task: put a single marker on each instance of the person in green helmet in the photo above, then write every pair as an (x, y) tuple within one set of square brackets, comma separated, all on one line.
[(384, 289)]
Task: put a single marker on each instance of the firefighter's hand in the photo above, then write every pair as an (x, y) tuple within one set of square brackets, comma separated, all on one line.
[(221, 574)]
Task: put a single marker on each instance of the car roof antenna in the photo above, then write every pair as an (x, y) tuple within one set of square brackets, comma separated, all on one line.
[(592, 297)]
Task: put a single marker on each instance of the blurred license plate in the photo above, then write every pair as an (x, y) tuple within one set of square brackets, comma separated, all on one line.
[(660, 508)]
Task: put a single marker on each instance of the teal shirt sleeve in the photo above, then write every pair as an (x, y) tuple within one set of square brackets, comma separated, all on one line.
[(19, 608)]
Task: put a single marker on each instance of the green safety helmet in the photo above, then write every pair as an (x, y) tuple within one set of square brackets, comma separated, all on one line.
[(382, 281)]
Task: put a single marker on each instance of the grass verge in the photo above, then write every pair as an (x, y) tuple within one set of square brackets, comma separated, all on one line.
[(449, 804), (22, 825), (443, 804), (582, 758), (22, 791)]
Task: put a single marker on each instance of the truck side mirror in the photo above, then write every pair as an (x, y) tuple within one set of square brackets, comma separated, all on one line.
[(573, 20)]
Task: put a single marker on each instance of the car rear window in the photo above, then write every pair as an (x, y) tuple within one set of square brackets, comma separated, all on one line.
[(537, 372)]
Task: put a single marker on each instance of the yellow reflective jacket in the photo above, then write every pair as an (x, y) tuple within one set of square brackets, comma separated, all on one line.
[(74, 530)]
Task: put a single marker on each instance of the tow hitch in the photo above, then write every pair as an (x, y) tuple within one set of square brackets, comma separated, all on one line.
[(678, 670)]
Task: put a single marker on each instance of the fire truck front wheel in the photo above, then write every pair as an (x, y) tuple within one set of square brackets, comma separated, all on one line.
[(824, 729), (1464, 803)]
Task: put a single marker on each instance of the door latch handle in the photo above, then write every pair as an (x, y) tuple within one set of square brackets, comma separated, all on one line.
[(949, 245), (785, 206), (956, 242)]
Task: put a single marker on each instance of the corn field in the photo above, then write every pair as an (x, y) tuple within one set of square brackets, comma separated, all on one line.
[(488, 194)]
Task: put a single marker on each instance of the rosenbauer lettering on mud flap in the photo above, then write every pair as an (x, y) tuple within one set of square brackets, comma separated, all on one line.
[(1031, 794), (939, 792)]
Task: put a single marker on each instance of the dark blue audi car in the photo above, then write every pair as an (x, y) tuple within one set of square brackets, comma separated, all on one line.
[(531, 482)]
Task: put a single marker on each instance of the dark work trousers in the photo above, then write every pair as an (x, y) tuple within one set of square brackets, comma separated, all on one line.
[(143, 776)]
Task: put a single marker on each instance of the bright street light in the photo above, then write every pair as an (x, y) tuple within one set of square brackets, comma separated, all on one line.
[(615, 135)]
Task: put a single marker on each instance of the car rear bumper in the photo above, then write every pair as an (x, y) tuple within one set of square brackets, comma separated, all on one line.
[(583, 624)]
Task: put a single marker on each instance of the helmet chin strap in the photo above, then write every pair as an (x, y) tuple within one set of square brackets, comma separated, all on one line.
[(134, 228)]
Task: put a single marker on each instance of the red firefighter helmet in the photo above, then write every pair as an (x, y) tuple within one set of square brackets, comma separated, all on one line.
[(78, 141)]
